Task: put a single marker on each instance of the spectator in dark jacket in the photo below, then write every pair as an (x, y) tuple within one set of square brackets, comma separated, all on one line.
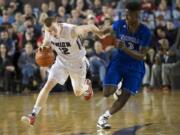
[(7, 70), (98, 61), (168, 59), (5, 39)]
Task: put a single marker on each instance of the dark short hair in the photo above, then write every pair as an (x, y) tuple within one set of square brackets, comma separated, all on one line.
[(3, 29), (29, 18), (133, 6), (48, 21)]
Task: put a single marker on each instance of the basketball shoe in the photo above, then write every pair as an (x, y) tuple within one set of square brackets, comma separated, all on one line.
[(103, 123), (89, 93), (30, 119)]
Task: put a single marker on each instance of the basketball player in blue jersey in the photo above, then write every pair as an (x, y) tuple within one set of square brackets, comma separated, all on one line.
[(127, 64)]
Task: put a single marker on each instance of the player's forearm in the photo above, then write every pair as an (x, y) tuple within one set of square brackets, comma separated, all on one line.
[(95, 30), (84, 29), (134, 54), (107, 30)]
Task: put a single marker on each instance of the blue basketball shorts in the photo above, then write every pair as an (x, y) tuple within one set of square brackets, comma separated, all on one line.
[(131, 80)]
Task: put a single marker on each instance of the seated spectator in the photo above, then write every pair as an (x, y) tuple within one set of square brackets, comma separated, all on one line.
[(8, 41), (28, 11), (97, 7), (168, 59), (13, 7), (81, 6), (28, 67), (29, 37), (163, 10), (30, 24), (147, 5), (147, 14), (7, 71), (156, 81), (98, 62), (66, 5), (75, 18), (52, 8), (2, 6), (44, 8), (31, 33), (18, 24), (176, 13), (12, 33), (171, 32), (165, 59), (19, 5), (6, 18), (62, 16), (176, 47), (160, 22), (160, 33)]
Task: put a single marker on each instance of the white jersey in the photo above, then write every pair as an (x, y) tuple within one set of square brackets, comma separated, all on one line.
[(69, 49)]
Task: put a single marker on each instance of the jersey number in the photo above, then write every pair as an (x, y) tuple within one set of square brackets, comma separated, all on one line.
[(64, 50), (130, 45)]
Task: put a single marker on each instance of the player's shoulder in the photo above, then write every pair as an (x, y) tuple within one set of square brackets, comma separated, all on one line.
[(144, 29), (118, 24), (69, 29)]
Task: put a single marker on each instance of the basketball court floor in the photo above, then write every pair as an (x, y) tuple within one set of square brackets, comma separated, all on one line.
[(148, 113)]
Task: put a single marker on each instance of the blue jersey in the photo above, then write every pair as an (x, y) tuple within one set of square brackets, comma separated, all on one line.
[(141, 38)]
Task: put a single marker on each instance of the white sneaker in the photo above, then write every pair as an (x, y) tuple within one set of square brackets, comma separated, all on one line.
[(103, 123), (30, 119)]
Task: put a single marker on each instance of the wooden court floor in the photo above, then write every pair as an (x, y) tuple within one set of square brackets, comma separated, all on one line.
[(148, 113)]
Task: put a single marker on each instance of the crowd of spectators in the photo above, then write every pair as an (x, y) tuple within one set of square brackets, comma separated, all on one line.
[(21, 32)]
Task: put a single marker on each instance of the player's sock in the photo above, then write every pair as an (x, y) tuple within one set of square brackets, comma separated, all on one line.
[(86, 92), (107, 114), (36, 110)]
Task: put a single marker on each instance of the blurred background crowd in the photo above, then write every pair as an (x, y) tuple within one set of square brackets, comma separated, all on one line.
[(21, 32)]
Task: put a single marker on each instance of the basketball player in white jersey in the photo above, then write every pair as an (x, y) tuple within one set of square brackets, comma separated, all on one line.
[(70, 61)]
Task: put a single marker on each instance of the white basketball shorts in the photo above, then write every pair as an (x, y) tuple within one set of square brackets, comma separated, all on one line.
[(77, 72)]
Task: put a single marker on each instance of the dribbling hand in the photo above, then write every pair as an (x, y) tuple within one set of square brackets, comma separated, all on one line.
[(41, 47)]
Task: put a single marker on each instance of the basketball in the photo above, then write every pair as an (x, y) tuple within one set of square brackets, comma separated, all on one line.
[(44, 57)]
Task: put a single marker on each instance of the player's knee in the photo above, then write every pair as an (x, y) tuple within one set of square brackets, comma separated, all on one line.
[(124, 96)]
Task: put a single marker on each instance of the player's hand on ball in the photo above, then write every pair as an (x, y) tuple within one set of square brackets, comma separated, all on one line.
[(44, 56), (42, 47)]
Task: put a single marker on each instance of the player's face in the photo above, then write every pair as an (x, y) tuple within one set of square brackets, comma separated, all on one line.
[(53, 30), (132, 18)]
